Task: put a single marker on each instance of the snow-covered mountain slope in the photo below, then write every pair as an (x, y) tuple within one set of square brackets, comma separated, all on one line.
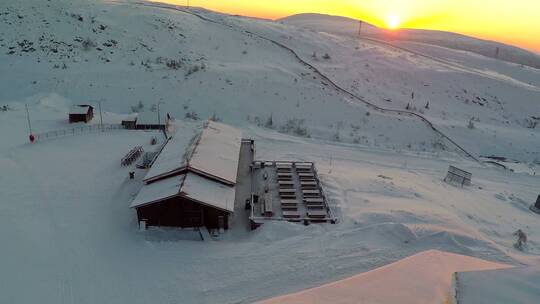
[(124, 53), (500, 99), (423, 278), (350, 27)]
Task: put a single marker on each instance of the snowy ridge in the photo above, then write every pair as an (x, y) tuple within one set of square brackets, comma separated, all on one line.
[(347, 26)]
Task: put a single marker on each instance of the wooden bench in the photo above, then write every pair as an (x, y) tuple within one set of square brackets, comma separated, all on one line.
[(284, 174), (309, 186), (289, 196), (317, 214), (289, 208), (291, 214), (284, 165), (131, 156), (319, 200), (286, 184), (289, 202), (311, 193)]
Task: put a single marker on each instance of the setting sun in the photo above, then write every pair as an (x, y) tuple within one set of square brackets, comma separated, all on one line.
[(392, 21), (515, 22)]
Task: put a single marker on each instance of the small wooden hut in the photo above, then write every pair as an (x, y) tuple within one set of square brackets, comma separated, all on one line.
[(81, 113)]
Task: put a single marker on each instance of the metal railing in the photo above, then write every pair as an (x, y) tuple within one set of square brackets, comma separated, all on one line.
[(77, 131)]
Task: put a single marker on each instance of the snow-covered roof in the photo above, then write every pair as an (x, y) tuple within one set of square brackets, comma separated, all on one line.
[(217, 152), (79, 109), (214, 153), (209, 192), (151, 118), (172, 159), (197, 163), (191, 186), (158, 191)]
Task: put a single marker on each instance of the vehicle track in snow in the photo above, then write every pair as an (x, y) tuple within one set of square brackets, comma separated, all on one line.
[(316, 71)]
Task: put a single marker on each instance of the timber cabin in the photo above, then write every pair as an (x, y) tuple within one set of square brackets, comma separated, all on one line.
[(81, 113), (192, 181)]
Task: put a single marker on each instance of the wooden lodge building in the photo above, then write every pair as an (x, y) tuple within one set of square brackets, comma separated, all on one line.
[(192, 181), (81, 113)]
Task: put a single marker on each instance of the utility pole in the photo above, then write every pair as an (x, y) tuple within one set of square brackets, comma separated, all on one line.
[(100, 117), (31, 136), (158, 116), (360, 28)]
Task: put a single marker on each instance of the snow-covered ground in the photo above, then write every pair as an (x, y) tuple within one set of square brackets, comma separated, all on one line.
[(68, 234), (517, 285)]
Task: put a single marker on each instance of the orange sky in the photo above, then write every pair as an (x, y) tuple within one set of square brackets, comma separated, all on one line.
[(515, 22)]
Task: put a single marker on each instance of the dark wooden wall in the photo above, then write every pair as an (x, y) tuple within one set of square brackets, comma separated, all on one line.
[(181, 212)]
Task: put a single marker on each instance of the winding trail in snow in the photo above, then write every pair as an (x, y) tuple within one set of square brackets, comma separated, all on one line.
[(318, 72)]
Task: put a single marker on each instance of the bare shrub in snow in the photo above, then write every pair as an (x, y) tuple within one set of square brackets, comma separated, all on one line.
[(532, 122), (138, 108), (336, 137), (521, 242), (192, 115), (470, 125), (173, 64), (88, 44), (194, 69), (295, 126), (269, 122)]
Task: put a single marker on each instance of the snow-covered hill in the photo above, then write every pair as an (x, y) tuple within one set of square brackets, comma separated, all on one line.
[(199, 62), (350, 27)]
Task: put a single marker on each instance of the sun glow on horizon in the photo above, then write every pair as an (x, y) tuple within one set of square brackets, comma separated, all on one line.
[(392, 21), (514, 22)]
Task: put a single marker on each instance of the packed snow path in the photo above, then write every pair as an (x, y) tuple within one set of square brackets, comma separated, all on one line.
[(321, 74)]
